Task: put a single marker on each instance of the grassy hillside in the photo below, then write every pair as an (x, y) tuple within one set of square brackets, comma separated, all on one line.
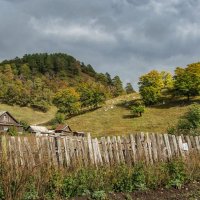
[(118, 121), (29, 115), (111, 119)]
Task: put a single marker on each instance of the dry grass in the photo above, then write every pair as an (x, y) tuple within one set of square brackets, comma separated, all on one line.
[(29, 115), (118, 121)]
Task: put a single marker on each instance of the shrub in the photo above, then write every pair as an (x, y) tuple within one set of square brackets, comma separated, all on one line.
[(122, 182), (189, 123), (31, 191), (99, 195), (12, 131), (176, 173), (137, 110), (138, 178)]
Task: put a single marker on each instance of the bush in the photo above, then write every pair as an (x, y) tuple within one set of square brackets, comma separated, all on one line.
[(189, 123), (176, 173), (99, 195), (137, 110), (12, 131), (138, 178)]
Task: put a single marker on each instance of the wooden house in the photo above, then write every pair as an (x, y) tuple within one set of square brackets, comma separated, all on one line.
[(63, 129), (38, 129), (7, 121)]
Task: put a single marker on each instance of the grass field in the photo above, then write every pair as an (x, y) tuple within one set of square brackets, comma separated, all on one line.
[(111, 119), (29, 115), (118, 121)]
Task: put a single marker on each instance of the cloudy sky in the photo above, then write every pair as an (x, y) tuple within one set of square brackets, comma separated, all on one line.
[(124, 37)]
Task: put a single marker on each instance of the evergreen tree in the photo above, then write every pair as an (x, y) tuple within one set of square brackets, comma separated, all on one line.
[(117, 85), (129, 88)]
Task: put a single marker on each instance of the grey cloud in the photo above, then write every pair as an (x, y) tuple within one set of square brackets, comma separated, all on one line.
[(125, 37)]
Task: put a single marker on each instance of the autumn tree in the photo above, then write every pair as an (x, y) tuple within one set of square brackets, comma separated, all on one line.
[(150, 86), (91, 95), (67, 101), (187, 80)]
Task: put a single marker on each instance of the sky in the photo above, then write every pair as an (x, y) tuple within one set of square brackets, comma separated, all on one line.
[(123, 37)]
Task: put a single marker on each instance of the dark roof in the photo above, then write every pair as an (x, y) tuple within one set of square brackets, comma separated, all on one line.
[(61, 127), (3, 112)]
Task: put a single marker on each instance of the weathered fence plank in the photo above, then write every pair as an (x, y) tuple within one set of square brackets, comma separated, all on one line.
[(76, 151)]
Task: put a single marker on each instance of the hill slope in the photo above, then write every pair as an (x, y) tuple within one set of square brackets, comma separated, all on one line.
[(113, 119), (29, 115), (33, 80)]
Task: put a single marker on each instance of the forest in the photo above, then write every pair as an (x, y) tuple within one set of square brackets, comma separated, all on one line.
[(39, 80)]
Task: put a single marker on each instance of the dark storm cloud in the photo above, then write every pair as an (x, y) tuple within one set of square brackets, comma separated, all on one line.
[(125, 37)]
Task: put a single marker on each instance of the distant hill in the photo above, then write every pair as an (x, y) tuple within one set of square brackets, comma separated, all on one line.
[(33, 79)]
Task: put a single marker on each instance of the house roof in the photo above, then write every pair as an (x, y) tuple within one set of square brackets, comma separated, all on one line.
[(61, 127), (3, 112), (41, 129)]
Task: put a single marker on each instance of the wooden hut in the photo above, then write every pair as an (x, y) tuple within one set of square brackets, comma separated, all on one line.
[(38, 130), (63, 129), (7, 121)]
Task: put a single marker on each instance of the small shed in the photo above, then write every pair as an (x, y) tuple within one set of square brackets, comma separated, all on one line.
[(38, 129), (63, 129), (7, 121)]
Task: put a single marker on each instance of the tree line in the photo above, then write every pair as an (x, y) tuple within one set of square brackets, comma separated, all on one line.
[(41, 80), (156, 86)]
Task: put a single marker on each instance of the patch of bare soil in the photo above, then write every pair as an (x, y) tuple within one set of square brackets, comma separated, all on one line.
[(188, 192)]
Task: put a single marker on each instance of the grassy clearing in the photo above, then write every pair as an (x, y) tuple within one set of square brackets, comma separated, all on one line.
[(118, 121), (29, 115)]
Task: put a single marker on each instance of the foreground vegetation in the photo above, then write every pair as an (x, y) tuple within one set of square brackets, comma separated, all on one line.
[(48, 183)]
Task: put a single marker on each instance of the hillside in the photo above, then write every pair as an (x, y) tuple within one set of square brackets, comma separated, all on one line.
[(113, 119), (33, 80), (29, 115)]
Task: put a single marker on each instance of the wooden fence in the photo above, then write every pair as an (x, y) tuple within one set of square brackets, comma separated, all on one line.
[(67, 151)]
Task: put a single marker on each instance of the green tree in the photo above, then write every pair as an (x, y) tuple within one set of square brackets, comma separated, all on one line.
[(117, 86), (67, 101), (187, 80), (129, 88), (91, 95), (137, 110), (150, 86)]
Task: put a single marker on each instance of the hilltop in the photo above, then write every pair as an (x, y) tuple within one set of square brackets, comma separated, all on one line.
[(33, 80)]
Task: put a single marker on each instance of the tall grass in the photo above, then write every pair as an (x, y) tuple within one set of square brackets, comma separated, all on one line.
[(46, 182)]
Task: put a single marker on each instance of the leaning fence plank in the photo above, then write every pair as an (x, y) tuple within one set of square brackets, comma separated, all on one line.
[(39, 149), (169, 152), (140, 151), (30, 154), (105, 150), (14, 147), (121, 155), (91, 155), (154, 147), (133, 148), (20, 151), (180, 145), (53, 153), (94, 152), (66, 153), (110, 150), (197, 143), (4, 147), (59, 151), (98, 152), (145, 147), (116, 149), (149, 145)]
